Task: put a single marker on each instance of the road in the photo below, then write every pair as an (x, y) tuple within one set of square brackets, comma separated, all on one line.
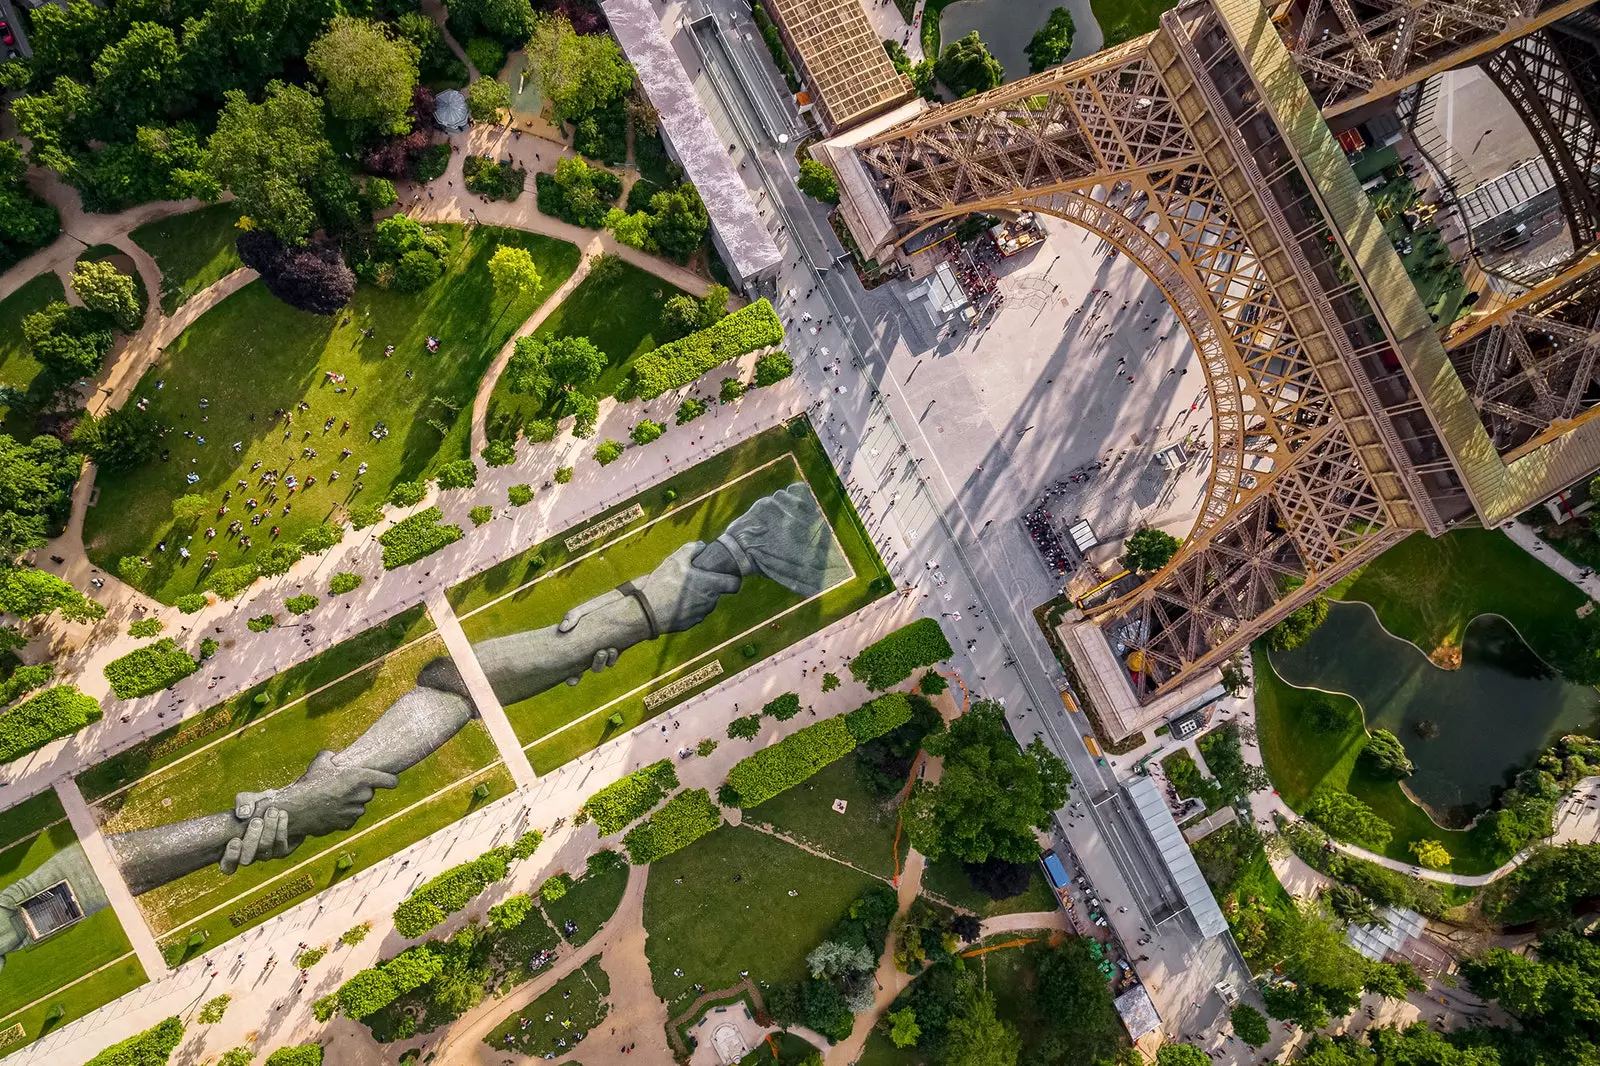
[(920, 519)]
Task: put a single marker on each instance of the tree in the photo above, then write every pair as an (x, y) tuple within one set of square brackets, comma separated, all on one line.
[(310, 279), (977, 1037), (576, 73), (1393, 980), (645, 431), (1250, 1025), (69, 342), (35, 491), (189, 507), (369, 73), (1000, 879), (903, 1029), (818, 181), (153, 1047), (1347, 818), (1294, 630), (585, 412), (487, 98), (121, 439), (1385, 756), (416, 270), (26, 222), (268, 154), (29, 593), (680, 316), (135, 78), (632, 230), (1431, 853), (607, 452), (1051, 44), (967, 68), (104, 288), (1181, 1055), (679, 221), (992, 796), (514, 272), (772, 368), (1148, 550)]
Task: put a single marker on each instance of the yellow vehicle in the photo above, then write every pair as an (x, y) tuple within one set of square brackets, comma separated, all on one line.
[(1093, 746)]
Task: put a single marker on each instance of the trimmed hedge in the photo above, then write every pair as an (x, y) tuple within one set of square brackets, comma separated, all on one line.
[(676, 364), (620, 802), (301, 604), (687, 817), (449, 892), (413, 538), (149, 669), (783, 707), (876, 717), (887, 662), (790, 761), (52, 714)]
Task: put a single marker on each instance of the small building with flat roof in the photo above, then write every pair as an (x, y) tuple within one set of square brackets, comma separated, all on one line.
[(738, 231), (849, 73)]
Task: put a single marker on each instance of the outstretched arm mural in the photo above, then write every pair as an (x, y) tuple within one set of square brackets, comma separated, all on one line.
[(783, 537)]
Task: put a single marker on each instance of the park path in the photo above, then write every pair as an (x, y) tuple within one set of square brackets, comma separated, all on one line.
[(1028, 920), (478, 687), (99, 856), (1528, 539)]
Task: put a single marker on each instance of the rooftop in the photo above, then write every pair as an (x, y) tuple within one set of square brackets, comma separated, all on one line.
[(741, 233), (844, 58)]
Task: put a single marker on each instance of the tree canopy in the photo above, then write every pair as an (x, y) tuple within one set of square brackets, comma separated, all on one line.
[(992, 796), (966, 67), (1051, 44), (1148, 550), (268, 155), (368, 73), (577, 73)]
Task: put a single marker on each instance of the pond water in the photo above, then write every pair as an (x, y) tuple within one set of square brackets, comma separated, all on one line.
[(1007, 26), (1493, 714)]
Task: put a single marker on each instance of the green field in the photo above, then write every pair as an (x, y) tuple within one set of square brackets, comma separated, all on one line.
[(946, 880), (590, 902), (575, 1005), (1122, 20), (273, 750), (711, 926), (617, 312), (193, 250), (18, 368), (33, 831), (863, 836), (252, 355), (1426, 590), (634, 551), (1300, 757)]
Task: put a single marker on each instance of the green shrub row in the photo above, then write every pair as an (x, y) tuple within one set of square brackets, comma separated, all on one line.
[(52, 714), (876, 717), (149, 669), (759, 777), (674, 365), (620, 802), (887, 662), (687, 817), (412, 538), (449, 892)]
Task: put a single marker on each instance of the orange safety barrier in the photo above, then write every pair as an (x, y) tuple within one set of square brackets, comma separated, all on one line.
[(996, 947), (773, 1045)]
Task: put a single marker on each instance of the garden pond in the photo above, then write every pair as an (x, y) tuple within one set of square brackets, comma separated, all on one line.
[(1007, 26), (1468, 730)]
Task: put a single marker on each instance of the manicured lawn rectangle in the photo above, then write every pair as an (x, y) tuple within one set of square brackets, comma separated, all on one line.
[(30, 816), (577, 1003), (18, 367), (863, 836), (274, 751), (947, 880), (733, 911), (619, 313), (239, 712), (193, 250), (633, 551), (251, 356), (95, 941), (1426, 590), (1300, 757)]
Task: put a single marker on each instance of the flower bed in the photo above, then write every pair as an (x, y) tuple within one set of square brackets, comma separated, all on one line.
[(278, 896)]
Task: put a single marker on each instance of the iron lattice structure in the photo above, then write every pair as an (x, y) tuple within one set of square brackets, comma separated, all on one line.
[(1355, 52), (1160, 148)]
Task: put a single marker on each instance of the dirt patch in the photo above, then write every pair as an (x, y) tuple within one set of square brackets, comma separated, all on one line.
[(1446, 656)]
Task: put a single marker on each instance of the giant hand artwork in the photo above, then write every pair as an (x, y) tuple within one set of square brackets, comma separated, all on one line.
[(783, 537)]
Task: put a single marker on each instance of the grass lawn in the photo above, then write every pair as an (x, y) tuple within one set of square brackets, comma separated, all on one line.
[(634, 551), (1426, 590), (1122, 20), (618, 314), (252, 355), (782, 1048), (193, 250), (17, 367), (863, 836), (94, 945), (946, 880), (879, 1050), (591, 901), (711, 926), (575, 1005), (1300, 757), (239, 712), (273, 751), (1010, 975)]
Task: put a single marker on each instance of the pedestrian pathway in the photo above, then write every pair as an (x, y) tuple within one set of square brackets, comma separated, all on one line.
[(1527, 538), (99, 856), (478, 687)]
